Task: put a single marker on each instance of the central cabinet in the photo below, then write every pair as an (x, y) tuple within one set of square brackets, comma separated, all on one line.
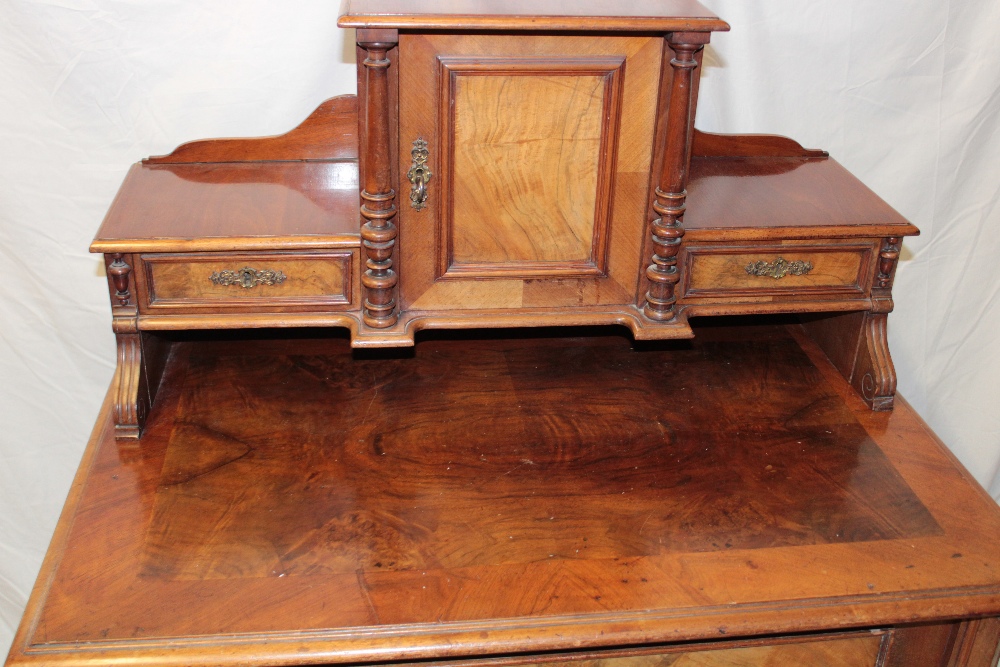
[(539, 156)]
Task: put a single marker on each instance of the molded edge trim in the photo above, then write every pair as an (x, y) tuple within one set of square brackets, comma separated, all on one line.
[(708, 144), (533, 23), (328, 133)]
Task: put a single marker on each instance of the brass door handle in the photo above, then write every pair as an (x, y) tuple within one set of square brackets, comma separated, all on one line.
[(419, 174)]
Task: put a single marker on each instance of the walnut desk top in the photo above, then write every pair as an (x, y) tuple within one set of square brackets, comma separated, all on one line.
[(526, 495)]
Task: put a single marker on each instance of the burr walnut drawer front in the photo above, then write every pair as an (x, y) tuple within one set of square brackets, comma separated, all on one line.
[(322, 280), (778, 270)]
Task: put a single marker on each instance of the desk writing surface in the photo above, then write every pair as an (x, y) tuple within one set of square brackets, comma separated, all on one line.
[(530, 491)]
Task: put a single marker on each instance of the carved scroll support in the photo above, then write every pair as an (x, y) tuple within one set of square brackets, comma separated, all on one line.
[(858, 343), (378, 232), (874, 375), (130, 409), (667, 230), (140, 356)]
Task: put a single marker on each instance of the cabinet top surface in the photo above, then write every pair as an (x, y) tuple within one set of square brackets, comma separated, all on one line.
[(291, 502), (599, 15)]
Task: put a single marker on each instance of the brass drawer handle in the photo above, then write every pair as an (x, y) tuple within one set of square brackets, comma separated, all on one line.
[(779, 268), (247, 277), (419, 174)]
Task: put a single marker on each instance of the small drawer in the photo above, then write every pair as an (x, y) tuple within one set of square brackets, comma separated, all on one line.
[(258, 281), (849, 650), (716, 271)]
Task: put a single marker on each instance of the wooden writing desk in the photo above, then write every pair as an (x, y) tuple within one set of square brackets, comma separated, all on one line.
[(521, 499), (741, 498)]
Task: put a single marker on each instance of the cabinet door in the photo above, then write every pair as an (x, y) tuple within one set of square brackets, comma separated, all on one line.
[(539, 149)]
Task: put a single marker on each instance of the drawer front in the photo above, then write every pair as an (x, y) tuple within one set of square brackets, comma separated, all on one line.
[(861, 650), (714, 271), (258, 281)]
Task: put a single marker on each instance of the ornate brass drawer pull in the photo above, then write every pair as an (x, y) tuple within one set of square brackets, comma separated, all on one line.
[(248, 277), (419, 174), (779, 268)]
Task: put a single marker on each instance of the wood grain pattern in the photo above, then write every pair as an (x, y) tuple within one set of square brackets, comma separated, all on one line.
[(807, 197), (274, 478), (719, 271), (708, 144), (329, 133), (927, 645), (625, 151), (603, 15), (531, 150), (180, 280), (234, 206), (977, 643)]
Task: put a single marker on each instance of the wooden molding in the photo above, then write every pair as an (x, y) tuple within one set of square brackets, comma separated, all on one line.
[(707, 144), (874, 375), (130, 406), (329, 133), (526, 15)]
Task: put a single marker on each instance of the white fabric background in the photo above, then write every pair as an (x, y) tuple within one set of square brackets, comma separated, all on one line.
[(905, 93)]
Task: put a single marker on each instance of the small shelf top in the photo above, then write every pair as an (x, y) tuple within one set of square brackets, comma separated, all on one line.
[(590, 15), (233, 206), (750, 197)]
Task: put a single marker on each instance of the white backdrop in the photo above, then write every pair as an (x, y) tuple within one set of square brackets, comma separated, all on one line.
[(905, 93)]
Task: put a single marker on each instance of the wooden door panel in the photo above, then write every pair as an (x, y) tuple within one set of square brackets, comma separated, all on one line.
[(540, 152), (526, 188)]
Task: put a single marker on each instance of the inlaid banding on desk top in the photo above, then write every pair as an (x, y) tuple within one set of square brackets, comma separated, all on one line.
[(275, 491), (503, 455)]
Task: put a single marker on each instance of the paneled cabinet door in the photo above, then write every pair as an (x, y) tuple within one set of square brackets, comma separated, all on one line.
[(525, 167)]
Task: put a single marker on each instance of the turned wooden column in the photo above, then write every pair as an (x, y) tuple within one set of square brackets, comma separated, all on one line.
[(668, 228), (378, 232)]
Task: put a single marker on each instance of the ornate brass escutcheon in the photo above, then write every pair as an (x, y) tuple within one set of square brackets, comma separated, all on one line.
[(779, 268), (419, 174), (248, 277)]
